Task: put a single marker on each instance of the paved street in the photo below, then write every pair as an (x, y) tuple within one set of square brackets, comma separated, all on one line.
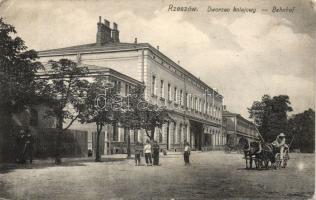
[(211, 175)]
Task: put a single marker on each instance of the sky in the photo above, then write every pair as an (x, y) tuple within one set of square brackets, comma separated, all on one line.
[(243, 55)]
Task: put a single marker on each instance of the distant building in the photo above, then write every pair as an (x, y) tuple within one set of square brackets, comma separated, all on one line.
[(237, 127), (195, 106)]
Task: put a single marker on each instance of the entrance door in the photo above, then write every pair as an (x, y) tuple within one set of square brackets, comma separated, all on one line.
[(197, 141), (197, 130)]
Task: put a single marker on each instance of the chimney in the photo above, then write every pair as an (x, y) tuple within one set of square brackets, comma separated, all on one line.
[(135, 40), (107, 31), (104, 32), (106, 23), (115, 34), (158, 47), (100, 33)]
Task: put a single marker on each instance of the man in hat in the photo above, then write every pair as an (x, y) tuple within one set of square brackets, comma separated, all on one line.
[(279, 144)]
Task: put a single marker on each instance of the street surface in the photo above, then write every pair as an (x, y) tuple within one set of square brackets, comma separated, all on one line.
[(211, 175)]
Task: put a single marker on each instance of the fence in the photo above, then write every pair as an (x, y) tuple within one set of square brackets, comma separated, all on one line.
[(74, 143)]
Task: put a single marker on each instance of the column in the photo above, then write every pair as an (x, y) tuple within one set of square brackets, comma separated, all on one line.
[(188, 133), (164, 133), (131, 133), (185, 126), (175, 133), (192, 139), (213, 140), (170, 134), (156, 134), (140, 136), (120, 134), (106, 139)]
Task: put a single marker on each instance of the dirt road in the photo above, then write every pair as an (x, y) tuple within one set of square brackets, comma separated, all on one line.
[(211, 175)]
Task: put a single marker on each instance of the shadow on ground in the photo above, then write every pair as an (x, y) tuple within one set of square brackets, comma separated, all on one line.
[(41, 164)]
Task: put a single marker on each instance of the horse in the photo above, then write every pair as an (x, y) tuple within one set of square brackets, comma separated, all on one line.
[(252, 151)]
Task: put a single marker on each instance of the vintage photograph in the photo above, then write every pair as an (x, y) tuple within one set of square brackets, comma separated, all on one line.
[(157, 99)]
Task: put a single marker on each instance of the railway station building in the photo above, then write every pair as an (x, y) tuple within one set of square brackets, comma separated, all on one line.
[(195, 107)]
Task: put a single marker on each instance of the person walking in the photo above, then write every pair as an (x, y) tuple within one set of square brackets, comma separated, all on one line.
[(147, 151), (186, 153), (156, 150)]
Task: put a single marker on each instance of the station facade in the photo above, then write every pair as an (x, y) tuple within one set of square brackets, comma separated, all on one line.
[(195, 107)]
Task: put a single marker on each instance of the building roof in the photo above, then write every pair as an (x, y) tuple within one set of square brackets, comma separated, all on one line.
[(99, 71), (231, 114), (112, 47), (91, 48)]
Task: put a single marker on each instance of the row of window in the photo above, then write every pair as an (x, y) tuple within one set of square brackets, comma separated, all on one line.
[(118, 87), (173, 69), (191, 101)]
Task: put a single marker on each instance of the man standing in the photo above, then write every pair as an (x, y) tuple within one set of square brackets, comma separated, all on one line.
[(147, 151), (138, 151), (186, 154), (279, 144), (156, 150), (29, 146)]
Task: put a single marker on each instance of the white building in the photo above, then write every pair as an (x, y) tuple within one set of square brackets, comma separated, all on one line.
[(195, 106)]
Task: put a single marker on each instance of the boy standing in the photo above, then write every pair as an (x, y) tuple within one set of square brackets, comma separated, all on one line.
[(147, 151)]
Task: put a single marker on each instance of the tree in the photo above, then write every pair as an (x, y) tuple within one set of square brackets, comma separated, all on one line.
[(270, 115), (101, 108), (65, 91), (137, 114), (150, 116), (18, 70), (130, 117), (18, 86), (301, 128)]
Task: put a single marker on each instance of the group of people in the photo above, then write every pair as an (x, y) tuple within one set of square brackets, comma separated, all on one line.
[(151, 152), (24, 147)]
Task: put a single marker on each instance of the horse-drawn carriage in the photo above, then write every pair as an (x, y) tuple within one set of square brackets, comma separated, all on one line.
[(265, 155)]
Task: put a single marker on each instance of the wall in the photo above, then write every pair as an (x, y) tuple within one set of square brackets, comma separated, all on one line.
[(125, 62)]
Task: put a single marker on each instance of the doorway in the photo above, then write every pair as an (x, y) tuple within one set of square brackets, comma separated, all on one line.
[(197, 131)]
